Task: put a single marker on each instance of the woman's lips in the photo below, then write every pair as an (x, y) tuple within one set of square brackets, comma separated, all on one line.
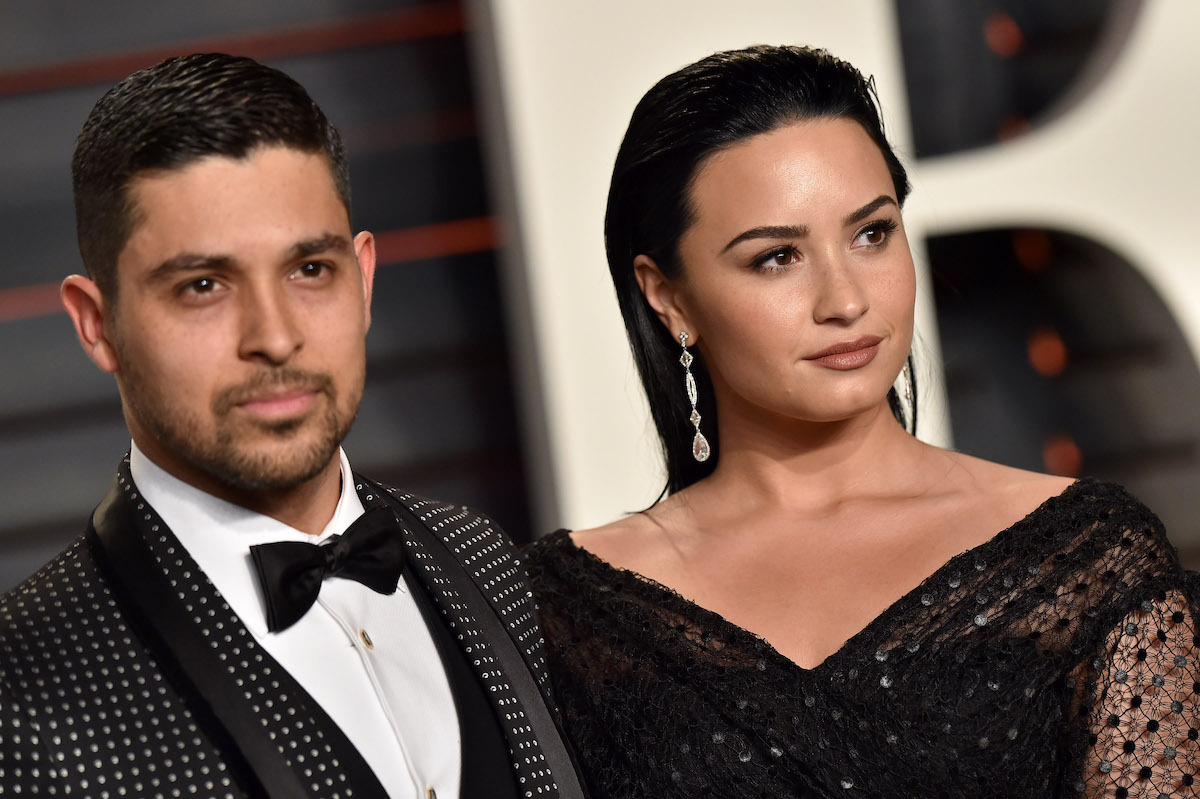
[(848, 354)]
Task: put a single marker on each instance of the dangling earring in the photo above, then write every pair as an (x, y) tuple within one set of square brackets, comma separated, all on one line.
[(700, 448), (906, 373), (910, 394)]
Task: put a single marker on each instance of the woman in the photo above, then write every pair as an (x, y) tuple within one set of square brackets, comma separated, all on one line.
[(823, 605)]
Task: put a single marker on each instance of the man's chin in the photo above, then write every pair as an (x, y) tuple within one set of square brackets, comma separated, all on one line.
[(275, 460), (258, 473)]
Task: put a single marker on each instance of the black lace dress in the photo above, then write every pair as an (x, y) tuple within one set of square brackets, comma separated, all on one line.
[(1059, 659)]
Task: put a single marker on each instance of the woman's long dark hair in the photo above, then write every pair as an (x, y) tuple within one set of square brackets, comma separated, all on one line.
[(681, 121)]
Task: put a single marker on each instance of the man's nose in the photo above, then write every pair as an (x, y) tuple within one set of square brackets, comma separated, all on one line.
[(270, 332)]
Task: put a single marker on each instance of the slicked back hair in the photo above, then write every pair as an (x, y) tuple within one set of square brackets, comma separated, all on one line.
[(169, 115)]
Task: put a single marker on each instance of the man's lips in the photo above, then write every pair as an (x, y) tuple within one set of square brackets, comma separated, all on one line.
[(848, 354), (275, 394), (279, 404)]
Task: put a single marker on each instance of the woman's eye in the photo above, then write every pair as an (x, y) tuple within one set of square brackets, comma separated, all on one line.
[(777, 259), (875, 234)]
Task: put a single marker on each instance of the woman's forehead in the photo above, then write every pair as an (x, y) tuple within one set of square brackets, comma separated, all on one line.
[(815, 167)]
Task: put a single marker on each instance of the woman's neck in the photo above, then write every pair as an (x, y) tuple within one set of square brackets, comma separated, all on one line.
[(809, 467)]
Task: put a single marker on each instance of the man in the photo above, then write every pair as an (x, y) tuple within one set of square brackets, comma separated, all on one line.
[(244, 615)]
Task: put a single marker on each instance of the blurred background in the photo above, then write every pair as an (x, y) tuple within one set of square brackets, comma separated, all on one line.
[(1049, 147)]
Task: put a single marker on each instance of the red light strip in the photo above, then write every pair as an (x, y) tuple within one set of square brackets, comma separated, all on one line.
[(437, 19), (29, 301), (458, 237)]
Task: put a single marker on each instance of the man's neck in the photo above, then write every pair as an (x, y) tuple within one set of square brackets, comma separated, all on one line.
[(307, 506)]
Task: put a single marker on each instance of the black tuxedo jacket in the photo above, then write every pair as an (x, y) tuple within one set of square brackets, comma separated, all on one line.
[(123, 672)]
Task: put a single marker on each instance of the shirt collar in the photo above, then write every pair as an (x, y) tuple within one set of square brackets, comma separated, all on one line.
[(218, 534)]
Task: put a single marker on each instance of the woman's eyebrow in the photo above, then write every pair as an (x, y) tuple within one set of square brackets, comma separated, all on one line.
[(855, 217), (800, 231), (769, 232)]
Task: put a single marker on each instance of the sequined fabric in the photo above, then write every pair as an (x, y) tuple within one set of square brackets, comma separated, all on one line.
[(1059, 659)]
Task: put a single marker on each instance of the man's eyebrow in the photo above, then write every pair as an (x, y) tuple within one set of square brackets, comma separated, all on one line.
[(330, 242), (855, 217), (769, 232), (195, 262), (189, 262)]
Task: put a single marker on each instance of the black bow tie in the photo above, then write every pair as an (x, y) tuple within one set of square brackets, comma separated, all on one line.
[(371, 551)]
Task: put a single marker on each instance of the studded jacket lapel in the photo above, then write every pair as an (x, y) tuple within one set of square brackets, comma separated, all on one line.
[(291, 746), (481, 589)]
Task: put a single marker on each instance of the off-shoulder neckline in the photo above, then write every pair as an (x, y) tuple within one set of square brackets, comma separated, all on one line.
[(562, 538)]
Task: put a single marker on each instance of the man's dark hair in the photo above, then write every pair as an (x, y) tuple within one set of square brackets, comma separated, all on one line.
[(167, 116)]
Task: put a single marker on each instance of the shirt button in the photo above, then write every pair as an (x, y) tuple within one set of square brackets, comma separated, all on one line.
[(366, 639)]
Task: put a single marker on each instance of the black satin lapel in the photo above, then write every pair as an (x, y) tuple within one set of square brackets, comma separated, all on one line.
[(142, 582), (493, 629), (191, 656), (486, 771)]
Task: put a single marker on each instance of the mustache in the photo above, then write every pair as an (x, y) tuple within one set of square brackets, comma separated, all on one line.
[(285, 378)]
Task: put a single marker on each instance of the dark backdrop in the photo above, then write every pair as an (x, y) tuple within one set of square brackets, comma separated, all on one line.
[(438, 414)]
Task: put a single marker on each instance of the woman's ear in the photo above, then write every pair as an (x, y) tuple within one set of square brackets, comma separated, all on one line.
[(86, 306), (664, 297)]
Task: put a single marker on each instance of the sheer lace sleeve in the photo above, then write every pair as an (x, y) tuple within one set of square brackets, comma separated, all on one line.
[(1139, 699)]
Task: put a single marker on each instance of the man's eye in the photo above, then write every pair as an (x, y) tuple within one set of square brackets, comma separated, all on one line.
[(203, 285), (312, 269)]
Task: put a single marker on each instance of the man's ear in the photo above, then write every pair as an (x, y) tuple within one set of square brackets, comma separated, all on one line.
[(664, 297), (364, 251), (90, 314)]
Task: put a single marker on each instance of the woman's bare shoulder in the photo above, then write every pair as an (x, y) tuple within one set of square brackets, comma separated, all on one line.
[(636, 542), (616, 537), (1007, 492)]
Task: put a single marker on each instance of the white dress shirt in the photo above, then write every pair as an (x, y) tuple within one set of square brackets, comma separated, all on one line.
[(366, 658)]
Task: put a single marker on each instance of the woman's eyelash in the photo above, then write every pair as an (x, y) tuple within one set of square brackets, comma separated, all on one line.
[(763, 261), (881, 225)]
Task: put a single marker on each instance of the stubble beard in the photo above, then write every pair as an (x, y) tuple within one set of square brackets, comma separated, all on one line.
[(226, 456)]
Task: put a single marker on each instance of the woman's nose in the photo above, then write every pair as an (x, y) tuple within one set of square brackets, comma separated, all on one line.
[(841, 297)]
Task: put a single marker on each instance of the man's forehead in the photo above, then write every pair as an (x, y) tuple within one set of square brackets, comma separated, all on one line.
[(217, 163), (273, 199)]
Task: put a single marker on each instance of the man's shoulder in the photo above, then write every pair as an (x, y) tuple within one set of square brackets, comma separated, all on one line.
[(64, 603), (470, 539), (460, 527), (61, 578)]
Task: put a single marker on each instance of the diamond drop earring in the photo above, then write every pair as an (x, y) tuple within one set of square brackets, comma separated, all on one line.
[(700, 448), (910, 393), (906, 374)]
